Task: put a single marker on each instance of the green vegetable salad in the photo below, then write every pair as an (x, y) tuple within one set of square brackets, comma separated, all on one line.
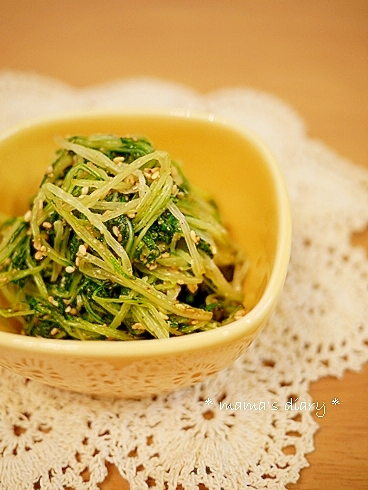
[(118, 245)]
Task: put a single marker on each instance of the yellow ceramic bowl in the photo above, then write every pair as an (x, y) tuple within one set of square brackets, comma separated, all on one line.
[(245, 179)]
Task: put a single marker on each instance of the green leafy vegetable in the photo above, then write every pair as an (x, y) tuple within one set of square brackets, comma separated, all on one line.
[(118, 245)]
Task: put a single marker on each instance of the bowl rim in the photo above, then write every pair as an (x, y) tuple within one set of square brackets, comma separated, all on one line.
[(191, 342)]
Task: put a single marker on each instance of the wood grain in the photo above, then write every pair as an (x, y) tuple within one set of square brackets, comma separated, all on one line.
[(312, 54)]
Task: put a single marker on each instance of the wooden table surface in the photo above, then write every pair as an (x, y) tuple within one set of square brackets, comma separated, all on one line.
[(313, 54)]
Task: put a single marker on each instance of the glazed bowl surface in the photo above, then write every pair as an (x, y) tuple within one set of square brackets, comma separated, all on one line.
[(243, 176)]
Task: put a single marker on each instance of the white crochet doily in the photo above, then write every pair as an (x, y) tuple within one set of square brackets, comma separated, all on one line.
[(235, 430)]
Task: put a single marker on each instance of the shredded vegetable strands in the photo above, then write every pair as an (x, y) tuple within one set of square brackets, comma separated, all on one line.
[(240, 273), (96, 157), (220, 283), (150, 319), (141, 287), (117, 245), (152, 213), (12, 239), (197, 264), (102, 191), (52, 190), (116, 209)]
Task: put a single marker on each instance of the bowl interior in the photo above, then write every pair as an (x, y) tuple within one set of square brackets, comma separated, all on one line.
[(228, 163)]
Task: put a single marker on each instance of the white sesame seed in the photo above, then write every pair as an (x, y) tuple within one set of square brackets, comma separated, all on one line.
[(37, 243), (39, 255), (69, 269), (53, 301), (194, 236), (115, 230), (47, 225), (82, 249), (239, 314), (151, 267), (155, 174), (130, 180), (27, 216), (54, 331), (138, 326), (192, 288), (162, 315), (85, 190)]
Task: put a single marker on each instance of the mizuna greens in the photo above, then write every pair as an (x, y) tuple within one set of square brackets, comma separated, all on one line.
[(118, 245)]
